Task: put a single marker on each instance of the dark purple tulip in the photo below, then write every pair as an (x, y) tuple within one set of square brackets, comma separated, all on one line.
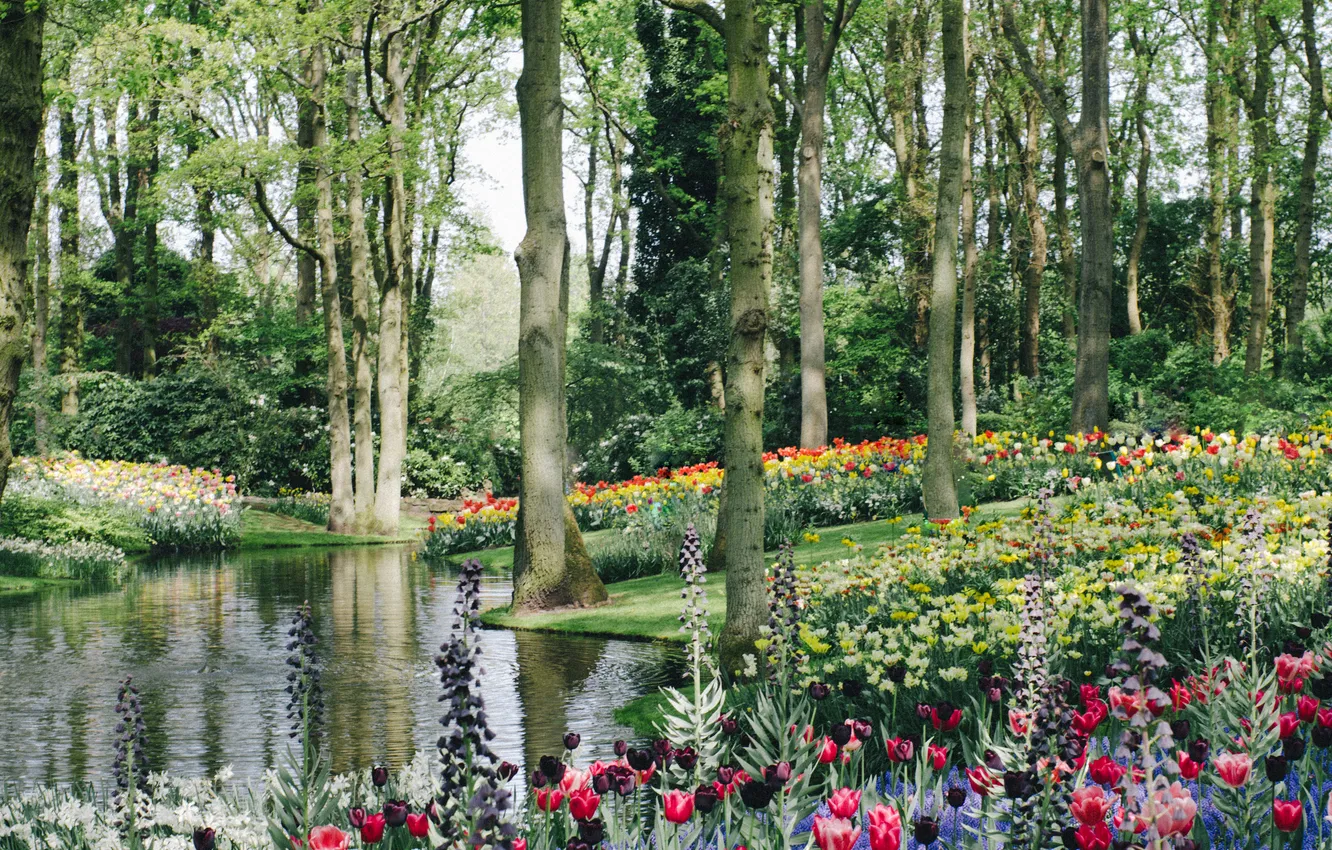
[(572, 740), (592, 831), (725, 774), (1321, 736), (538, 779), (819, 691), (896, 673), (379, 776), (705, 798), (1293, 748), (356, 817), (577, 844), (507, 770), (730, 726), (621, 748), (553, 768), (777, 775), (957, 797), (395, 812), (1198, 749), (852, 688), (686, 758), (601, 783), (639, 759), (1276, 768), (1179, 730), (204, 839), (841, 734), (1069, 836), (923, 710), (757, 795), (863, 729), (927, 831), (992, 760), (985, 667), (1321, 687)]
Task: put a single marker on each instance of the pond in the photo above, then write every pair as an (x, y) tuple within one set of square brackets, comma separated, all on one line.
[(204, 638)]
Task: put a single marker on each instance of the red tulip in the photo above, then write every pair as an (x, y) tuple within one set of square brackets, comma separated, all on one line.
[(520, 844), (583, 803), (885, 828), (1307, 708), (937, 756), (1233, 768), (844, 803), (828, 752), (1089, 804), (1106, 771), (1088, 693), (981, 780), (834, 833), (945, 717), (1093, 837), (679, 805), (1180, 696), (1325, 717), (418, 825), (900, 749), (1188, 768), (329, 838), (1289, 722), (1287, 814), (372, 831), (549, 799)]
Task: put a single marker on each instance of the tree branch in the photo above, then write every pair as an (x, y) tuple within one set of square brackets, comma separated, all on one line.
[(1057, 108), (702, 9), (292, 239)]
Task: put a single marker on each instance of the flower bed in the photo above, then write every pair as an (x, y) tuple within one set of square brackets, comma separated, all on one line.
[(178, 508)]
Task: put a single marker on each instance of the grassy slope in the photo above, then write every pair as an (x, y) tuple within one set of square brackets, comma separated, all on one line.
[(648, 608), (264, 530), (24, 584)]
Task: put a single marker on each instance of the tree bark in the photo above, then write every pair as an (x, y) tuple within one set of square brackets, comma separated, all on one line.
[(20, 131), (1215, 105), (41, 295), (1304, 215), (939, 486), (1143, 73), (1262, 192), (1029, 358), (544, 577), (358, 266), (970, 265), (304, 201), (341, 512), (72, 299)]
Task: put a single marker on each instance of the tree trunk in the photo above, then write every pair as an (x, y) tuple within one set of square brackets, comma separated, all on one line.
[(145, 177), (71, 275), (544, 577), (1068, 263), (20, 132), (363, 378), (1262, 197), (341, 513), (1215, 95), (1304, 216), (306, 267), (1034, 274), (1140, 103), (938, 486), (970, 264), (41, 296), (392, 304)]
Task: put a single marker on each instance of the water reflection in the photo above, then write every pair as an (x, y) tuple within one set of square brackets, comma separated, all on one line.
[(205, 641)]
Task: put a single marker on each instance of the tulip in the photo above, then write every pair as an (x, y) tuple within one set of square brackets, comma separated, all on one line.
[(1288, 815), (507, 770), (725, 774), (944, 717), (777, 775), (828, 752), (757, 795), (862, 729), (552, 768), (204, 839), (1093, 837), (1321, 737), (418, 825), (395, 812), (936, 756), (520, 844), (926, 831), (1018, 722), (841, 734), (1233, 768), (1307, 709), (1188, 768), (900, 749), (1018, 784), (1293, 748), (956, 797), (1173, 810), (583, 803), (572, 740), (679, 805), (834, 833), (1198, 749), (621, 747), (705, 798), (1106, 771), (1088, 693), (356, 817), (549, 799), (844, 803), (852, 688), (819, 691), (1289, 722), (329, 838), (981, 780), (885, 828), (1276, 768), (1089, 804), (686, 758), (379, 776), (372, 831), (639, 759), (591, 832)]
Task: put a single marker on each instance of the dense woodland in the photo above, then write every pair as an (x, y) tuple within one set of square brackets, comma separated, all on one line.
[(249, 245)]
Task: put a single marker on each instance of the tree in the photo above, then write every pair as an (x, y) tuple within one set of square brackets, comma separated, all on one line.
[(747, 193), (819, 51), (543, 576), (939, 485), (20, 129), (1255, 90), (1144, 55), (1089, 141)]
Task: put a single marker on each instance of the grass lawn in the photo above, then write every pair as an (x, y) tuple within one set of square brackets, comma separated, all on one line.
[(25, 584), (265, 530), (649, 608)]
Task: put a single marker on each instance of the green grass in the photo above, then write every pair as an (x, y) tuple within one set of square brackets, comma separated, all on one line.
[(642, 714), (264, 530), (649, 608), (26, 584)]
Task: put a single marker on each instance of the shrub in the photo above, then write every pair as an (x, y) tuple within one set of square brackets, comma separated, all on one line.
[(74, 560)]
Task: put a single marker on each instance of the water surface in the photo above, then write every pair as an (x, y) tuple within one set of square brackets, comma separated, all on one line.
[(204, 638)]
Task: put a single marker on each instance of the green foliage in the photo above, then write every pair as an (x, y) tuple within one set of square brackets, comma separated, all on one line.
[(59, 521)]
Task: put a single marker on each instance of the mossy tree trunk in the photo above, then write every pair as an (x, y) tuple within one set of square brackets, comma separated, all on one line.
[(20, 131), (551, 568)]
